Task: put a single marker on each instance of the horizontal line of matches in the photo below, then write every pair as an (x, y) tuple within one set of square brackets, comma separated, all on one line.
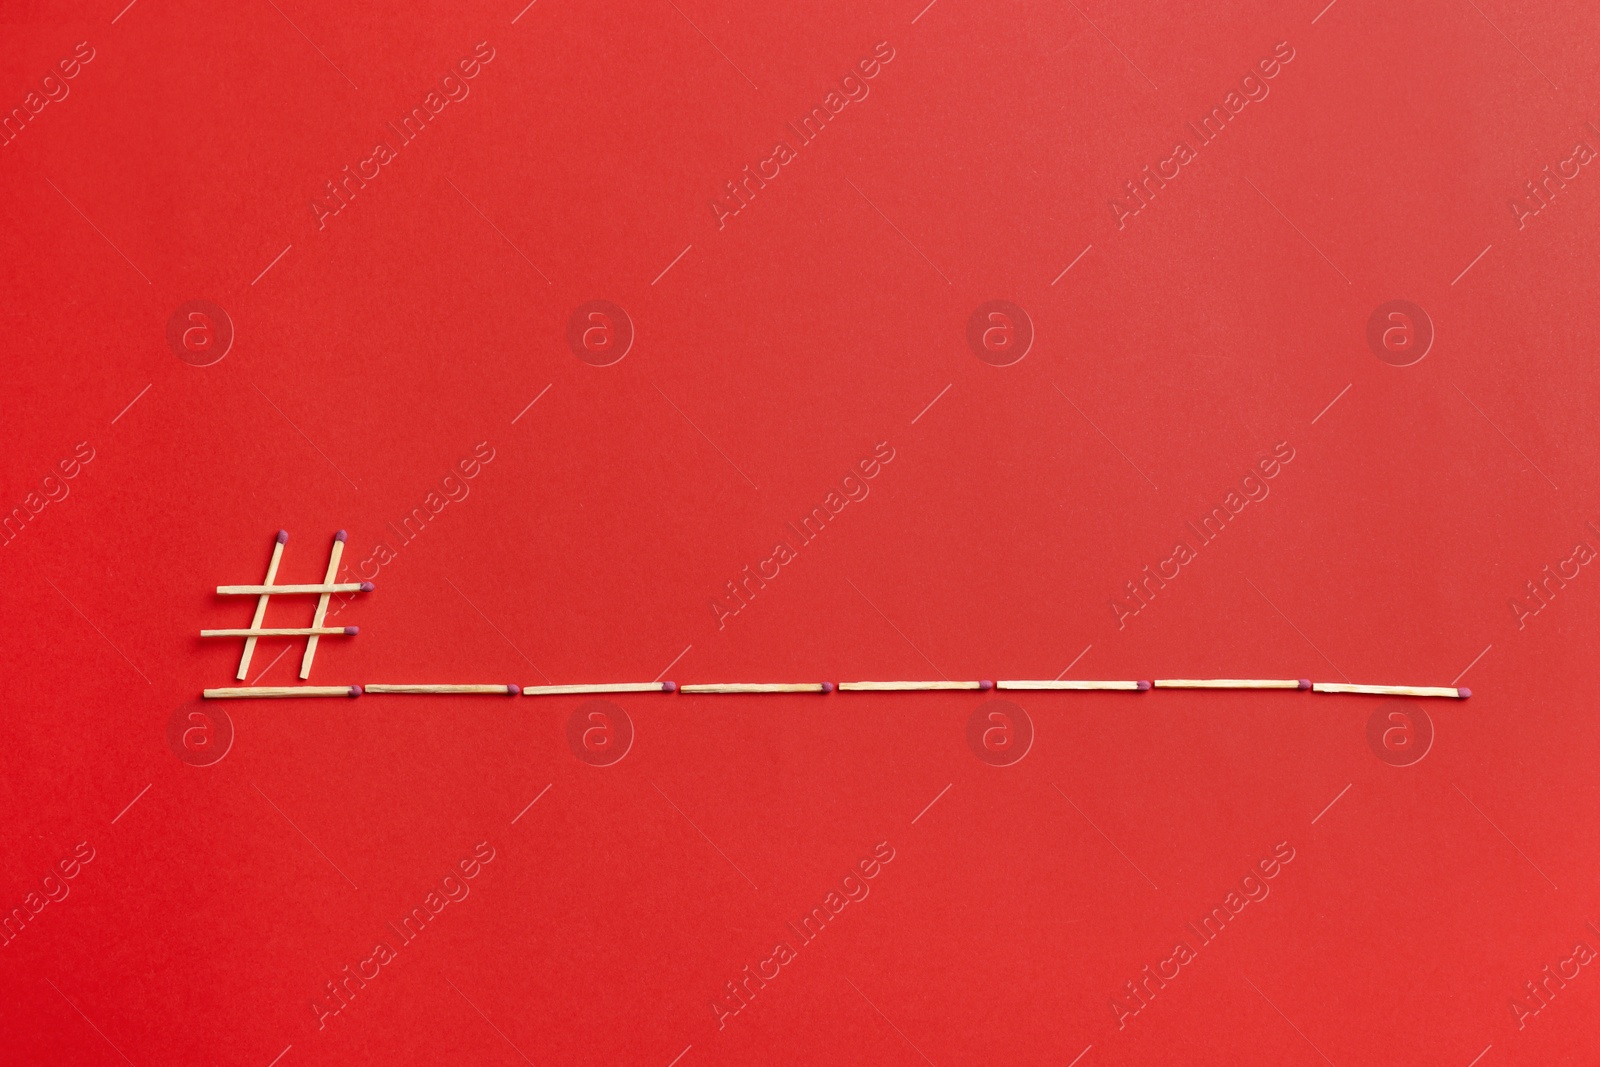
[(286, 631), (282, 590)]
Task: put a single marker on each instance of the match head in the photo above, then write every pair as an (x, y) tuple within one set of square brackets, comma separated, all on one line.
[(341, 536), (827, 687), (367, 587), (355, 691), (669, 687), (985, 685), (514, 690), (351, 631), (1305, 683), (283, 537), (1463, 692), (1144, 685)]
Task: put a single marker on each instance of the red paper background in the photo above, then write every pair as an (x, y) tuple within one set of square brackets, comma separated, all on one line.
[(771, 357)]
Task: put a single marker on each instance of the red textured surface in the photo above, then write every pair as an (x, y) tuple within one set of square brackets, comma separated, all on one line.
[(377, 347)]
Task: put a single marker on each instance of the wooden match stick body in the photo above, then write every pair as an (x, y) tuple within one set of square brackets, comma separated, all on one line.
[(760, 687), (906, 687), (1231, 683), (1394, 690), (284, 631), (261, 605), (281, 590), (503, 690), (596, 687), (1071, 685), (277, 692), (322, 603)]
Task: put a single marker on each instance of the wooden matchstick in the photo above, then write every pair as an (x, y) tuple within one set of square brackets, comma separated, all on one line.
[(1232, 683), (281, 590), (1073, 685), (503, 690), (598, 687), (1394, 690), (286, 631), (760, 687), (322, 603), (904, 687), (261, 605), (282, 691)]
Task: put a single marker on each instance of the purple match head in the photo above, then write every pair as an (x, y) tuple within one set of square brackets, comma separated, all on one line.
[(367, 587), (827, 687), (985, 685), (514, 690), (1463, 692), (1144, 685), (341, 536), (355, 691), (351, 631), (283, 537), (1305, 683), (669, 687)]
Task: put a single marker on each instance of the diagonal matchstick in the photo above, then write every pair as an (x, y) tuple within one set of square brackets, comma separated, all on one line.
[(322, 604), (261, 605)]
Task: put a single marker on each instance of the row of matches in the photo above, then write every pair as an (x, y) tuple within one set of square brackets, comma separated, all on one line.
[(275, 691)]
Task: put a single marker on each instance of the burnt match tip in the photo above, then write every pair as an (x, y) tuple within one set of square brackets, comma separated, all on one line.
[(1143, 686), (1305, 683), (985, 685), (367, 587), (669, 687), (355, 690), (283, 537), (514, 690), (827, 687), (1463, 692), (351, 631), (341, 536)]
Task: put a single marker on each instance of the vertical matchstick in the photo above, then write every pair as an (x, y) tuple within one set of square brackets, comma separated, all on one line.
[(261, 605), (322, 603)]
